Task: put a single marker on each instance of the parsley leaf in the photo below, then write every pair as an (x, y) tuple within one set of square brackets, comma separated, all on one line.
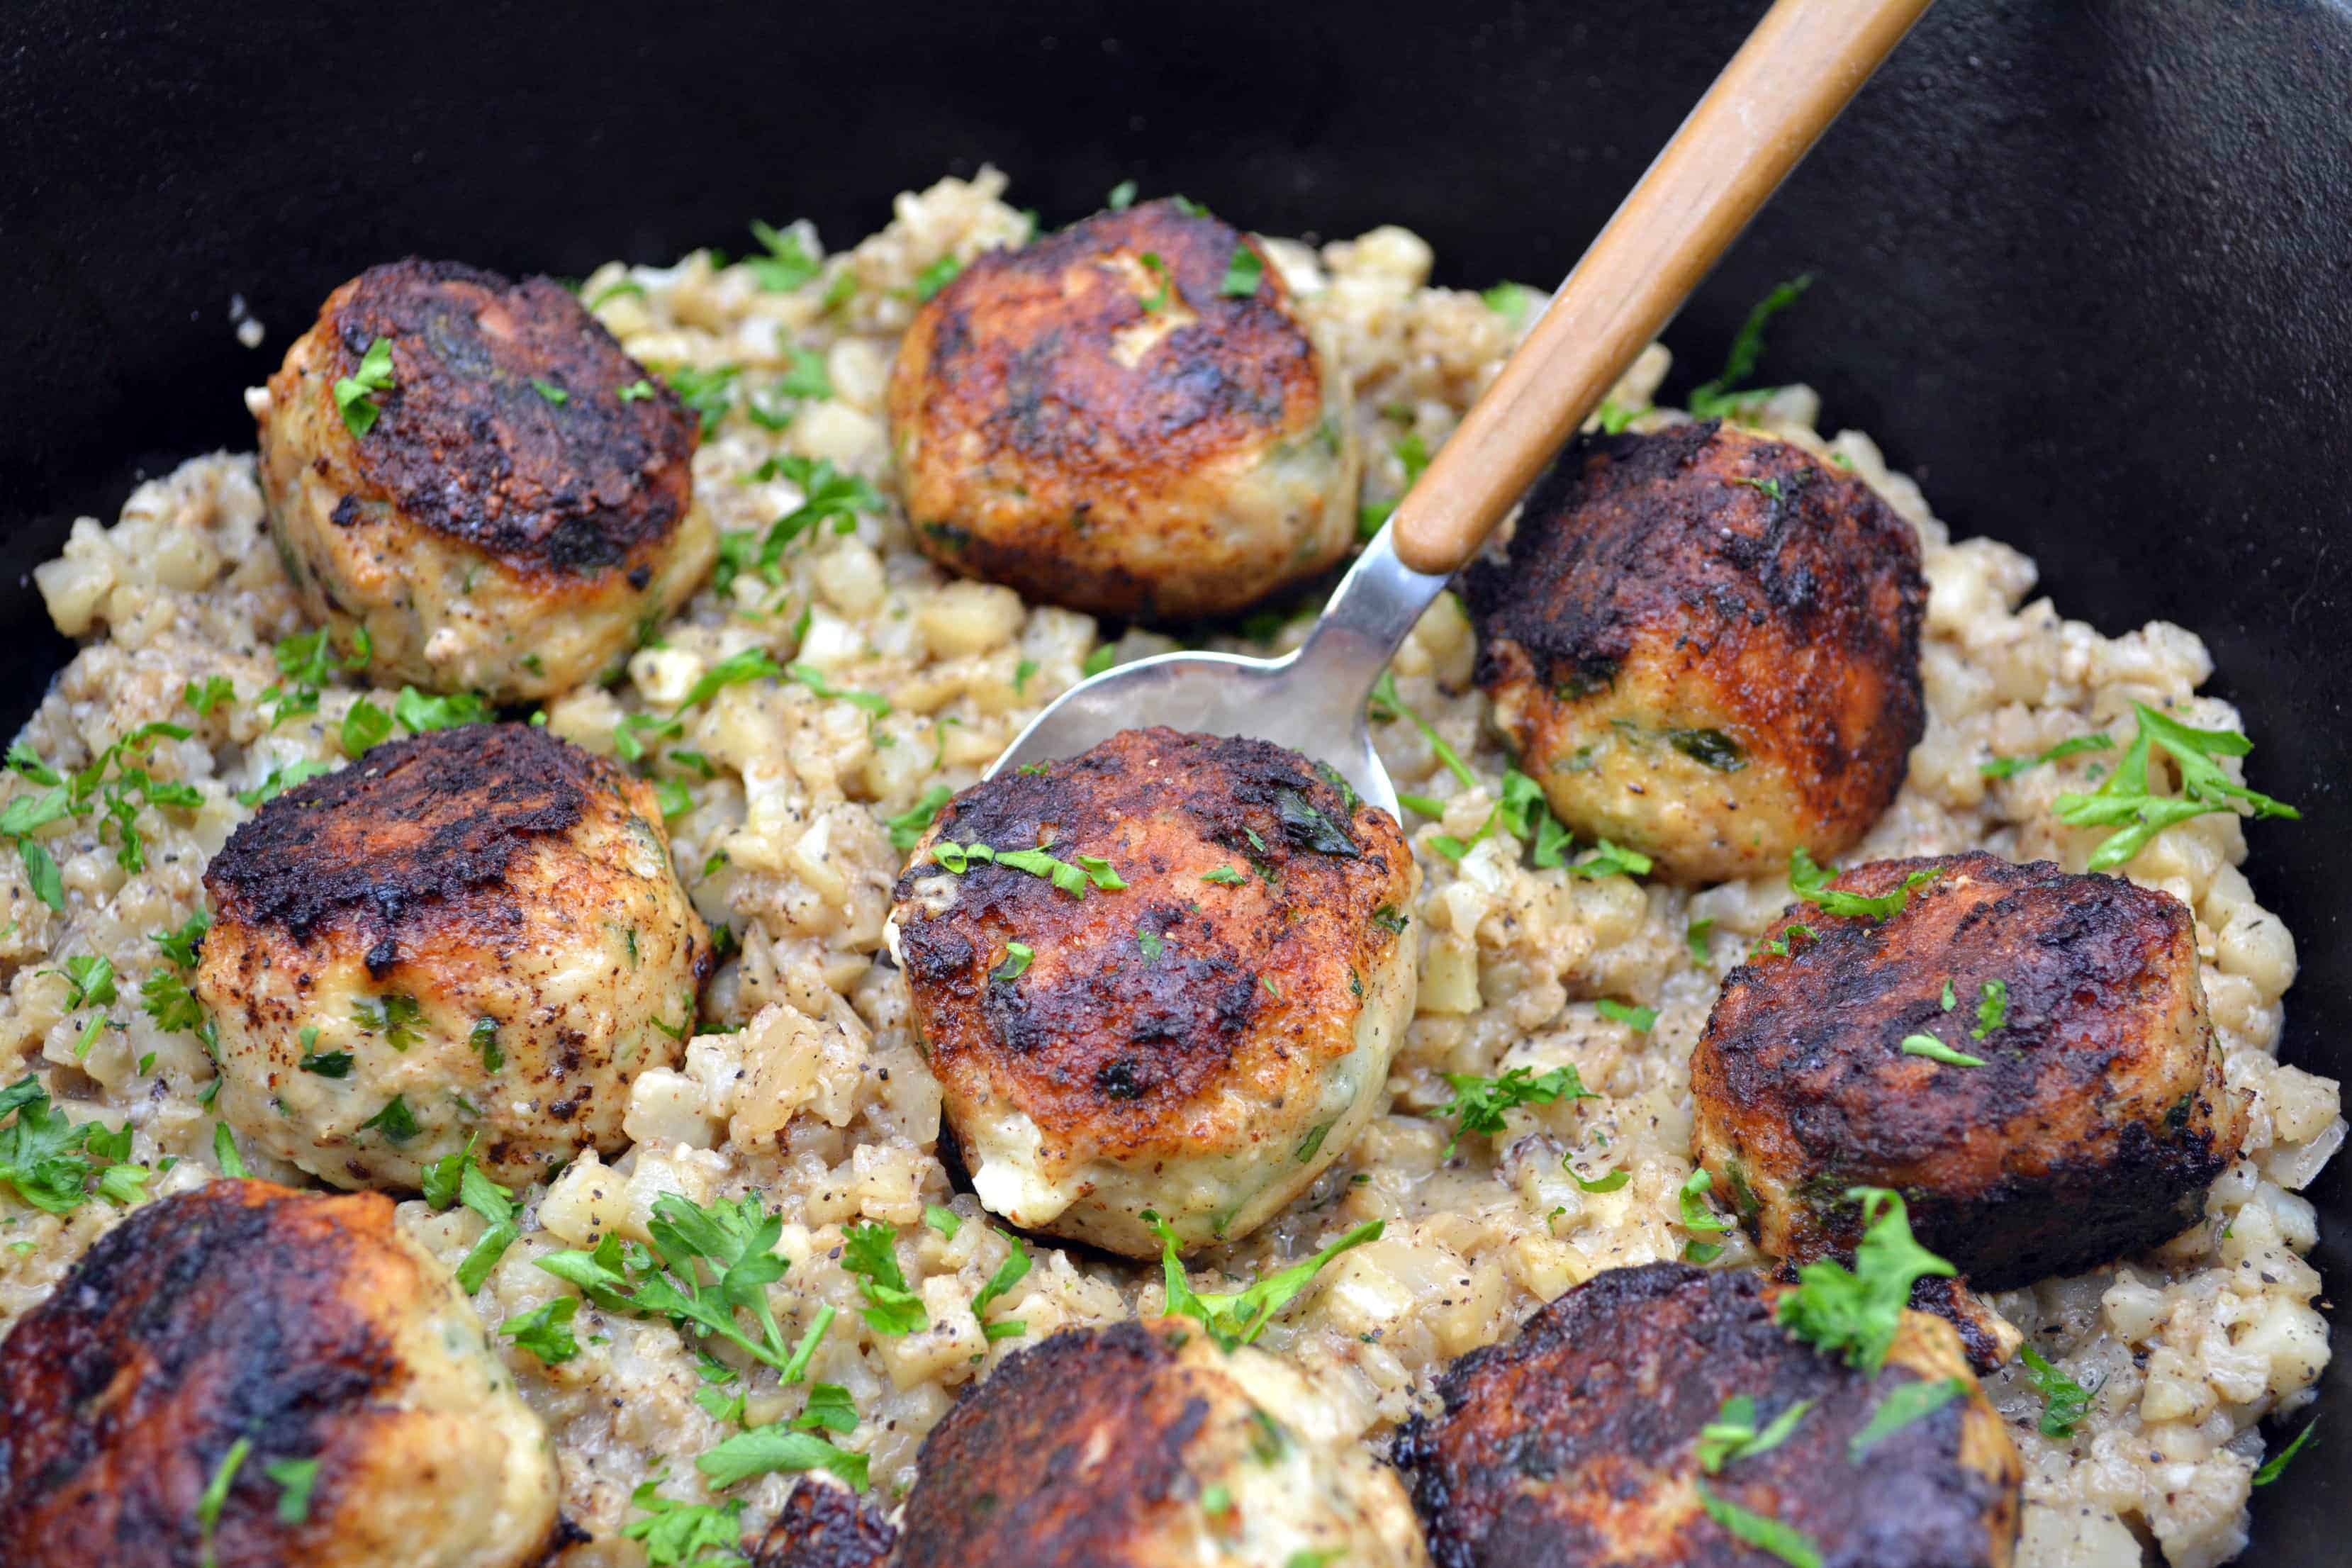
[(1478, 1103), (295, 1479), (1017, 957), (737, 669), (2063, 1400), (936, 277), (1765, 1534), (1935, 1050), (2276, 1465), (214, 690), (788, 263), (50, 1161), (395, 1121), (355, 394), (1639, 1019), (1695, 937), (1242, 273), (1715, 399), (1992, 1008), (910, 826), (419, 713), (869, 1251), (365, 725), (687, 1535), (2125, 798), (1902, 1405), (779, 1446), (1385, 704), (1238, 1317), (1853, 1314), (734, 1244), (810, 676), (1090, 871), (1733, 1433), (1810, 881), (216, 1493), (2010, 767), (1695, 1190), (1227, 876), (546, 1330)]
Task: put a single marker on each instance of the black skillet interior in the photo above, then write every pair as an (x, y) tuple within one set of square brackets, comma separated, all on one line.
[(2084, 268)]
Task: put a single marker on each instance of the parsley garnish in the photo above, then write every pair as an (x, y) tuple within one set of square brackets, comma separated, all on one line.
[(546, 1330), (1733, 1433), (1072, 879), (1695, 937), (868, 1251), (1708, 748), (687, 1535), (1385, 704), (2063, 1400), (1121, 197), (636, 391), (908, 827), (2010, 767), (1639, 1019), (1009, 1273), (1478, 1103), (355, 394), (1309, 828), (1903, 1405), (1017, 955), (709, 393), (813, 677), (1787, 1543), (1237, 1318), (51, 1162), (2124, 797), (1695, 1190), (1242, 273), (1609, 859), (736, 669), (731, 1243), (1225, 876), (394, 1015), (1769, 488), (1935, 1050), (417, 712), (1810, 881), (395, 1122), (779, 1446), (550, 391), (1853, 1314), (214, 690), (282, 778), (2276, 1465), (365, 725), (1993, 1007), (216, 1493), (1779, 946), (455, 1178), (1159, 269), (1715, 399), (295, 1479), (788, 263), (936, 277), (1412, 456)]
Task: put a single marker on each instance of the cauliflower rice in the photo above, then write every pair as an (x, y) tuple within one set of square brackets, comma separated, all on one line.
[(819, 1102)]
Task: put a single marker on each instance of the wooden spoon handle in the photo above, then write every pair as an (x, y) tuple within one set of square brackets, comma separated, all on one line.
[(1789, 80)]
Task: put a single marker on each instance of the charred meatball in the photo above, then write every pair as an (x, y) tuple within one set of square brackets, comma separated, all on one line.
[(297, 1344), (498, 498), (1578, 1443), (472, 935), (1144, 1445), (1705, 647), (2091, 1129), (822, 1525), (1169, 977), (1126, 418)]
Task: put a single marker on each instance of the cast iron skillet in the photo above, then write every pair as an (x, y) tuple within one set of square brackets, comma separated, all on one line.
[(2084, 268)]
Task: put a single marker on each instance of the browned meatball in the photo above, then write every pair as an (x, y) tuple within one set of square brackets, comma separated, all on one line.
[(505, 509), (1126, 418), (2092, 1130), (1200, 1043), (1145, 1446), (822, 1525), (1705, 647), (481, 925), (293, 1341), (1576, 1445)]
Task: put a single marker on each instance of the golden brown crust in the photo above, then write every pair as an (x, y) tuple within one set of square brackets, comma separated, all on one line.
[(1069, 1454), (465, 446), (411, 844), (2092, 1130), (1743, 613), (1575, 1444), (1055, 401), (1140, 1007), (241, 1310), (825, 1526)]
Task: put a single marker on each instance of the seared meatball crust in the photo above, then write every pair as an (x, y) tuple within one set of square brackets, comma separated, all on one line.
[(510, 517), (307, 1326), (1112, 1447), (1705, 645), (822, 1525), (482, 922), (1575, 1445), (2092, 1130), (1094, 420), (1202, 1043)]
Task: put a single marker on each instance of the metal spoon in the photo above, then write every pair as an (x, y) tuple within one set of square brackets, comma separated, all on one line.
[(1803, 63)]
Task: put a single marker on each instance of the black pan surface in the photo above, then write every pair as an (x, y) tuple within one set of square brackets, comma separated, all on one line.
[(2084, 268)]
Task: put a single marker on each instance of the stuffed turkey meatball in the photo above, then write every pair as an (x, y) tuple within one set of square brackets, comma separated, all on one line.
[(473, 935), (296, 1354), (1145, 1446), (2022, 1051), (1165, 975), (1704, 645), (1126, 418), (473, 472), (1586, 1441)]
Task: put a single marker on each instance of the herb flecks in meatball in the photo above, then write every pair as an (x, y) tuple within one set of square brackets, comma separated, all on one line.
[(1200, 1041), (1639, 1412), (448, 460), (1704, 645), (2022, 1051), (291, 1354), (474, 934), (1126, 418)]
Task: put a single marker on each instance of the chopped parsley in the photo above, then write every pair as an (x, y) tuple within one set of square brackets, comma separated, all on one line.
[(1708, 748), (1526, 815), (214, 690), (546, 1330), (1639, 1019), (1017, 957), (1693, 1194), (54, 1164), (946, 1221), (395, 1121), (736, 669), (1102, 658), (455, 1178), (365, 725), (868, 1250), (1762, 1531), (1386, 705), (1733, 1433), (419, 712), (1769, 488), (397, 1018), (1121, 197), (788, 263), (355, 394), (2010, 767), (2125, 800), (1716, 398), (1227, 876), (711, 394), (1853, 1313), (705, 1266), (1935, 1050), (295, 1478), (1478, 1103), (1512, 301), (636, 391), (1237, 1318), (1608, 859), (1779, 946), (550, 391), (281, 779), (685, 1534), (214, 1496), (1412, 456), (1009, 1273), (1608, 1184), (1993, 1007), (1311, 829), (1902, 1406), (1157, 268), (908, 827), (2276, 1465), (780, 1447), (810, 676), (1810, 881), (1090, 869), (2063, 1400), (1695, 937), (1242, 273), (936, 277)]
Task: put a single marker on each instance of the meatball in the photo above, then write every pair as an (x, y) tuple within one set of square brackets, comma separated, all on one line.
[(1576, 1443), (1126, 418), (293, 1348), (1144, 1445), (501, 504), (1201, 1027), (822, 1525), (474, 936), (1704, 645), (2091, 1129)]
